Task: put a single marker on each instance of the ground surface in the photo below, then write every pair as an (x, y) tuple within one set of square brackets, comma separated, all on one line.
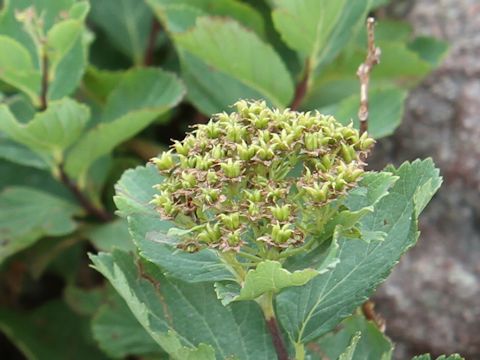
[(432, 300)]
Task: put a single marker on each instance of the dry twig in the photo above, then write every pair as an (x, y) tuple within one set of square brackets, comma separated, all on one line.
[(363, 73)]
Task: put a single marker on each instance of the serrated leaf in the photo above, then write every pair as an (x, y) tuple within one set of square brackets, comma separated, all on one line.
[(180, 15), (441, 357), (185, 317), (50, 132), (140, 97), (232, 63), (118, 332), (134, 191), (373, 343), (27, 214), (385, 111), (51, 332), (317, 307), (268, 276), (127, 24)]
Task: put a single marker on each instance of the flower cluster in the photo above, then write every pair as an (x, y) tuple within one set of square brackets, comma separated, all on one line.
[(252, 177)]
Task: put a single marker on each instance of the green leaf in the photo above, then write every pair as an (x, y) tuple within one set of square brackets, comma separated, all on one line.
[(26, 215), (268, 276), (52, 332), (373, 343), (134, 191), (184, 318), (317, 307), (385, 111), (60, 39), (20, 154), (232, 63), (127, 23), (442, 357), (149, 235), (118, 332), (429, 49), (140, 97), (51, 132), (16, 68), (180, 15), (350, 350), (318, 29), (112, 235)]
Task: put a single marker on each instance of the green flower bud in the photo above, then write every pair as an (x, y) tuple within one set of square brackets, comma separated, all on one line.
[(281, 234), (234, 239), (165, 162), (281, 213), (348, 153), (210, 234), (317, 193), (212, 177), (245, 152), (231, 168), (181, 148), (311, 141), (188, 180), (230, 221)]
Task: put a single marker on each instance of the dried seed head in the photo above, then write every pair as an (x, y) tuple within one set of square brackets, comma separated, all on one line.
[(257, 174)]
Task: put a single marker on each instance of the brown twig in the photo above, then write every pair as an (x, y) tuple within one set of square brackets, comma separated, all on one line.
[(44, 85), (277, 339), (152, 39), (363, 73), (83, 200), (301, 88)]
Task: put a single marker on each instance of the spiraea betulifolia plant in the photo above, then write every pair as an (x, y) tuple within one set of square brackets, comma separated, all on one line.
[(265, 211), (257, 236)]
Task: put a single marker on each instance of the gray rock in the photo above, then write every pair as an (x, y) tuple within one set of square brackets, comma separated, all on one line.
[(432, 300)]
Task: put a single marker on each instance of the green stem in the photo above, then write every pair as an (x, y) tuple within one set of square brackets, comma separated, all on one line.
[(299, 351)]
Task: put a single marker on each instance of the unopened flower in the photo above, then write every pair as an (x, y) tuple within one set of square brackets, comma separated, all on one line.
[(258, 177)]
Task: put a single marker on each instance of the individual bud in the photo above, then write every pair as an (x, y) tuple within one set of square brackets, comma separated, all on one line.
[(235, 133), (253, 195), (311, 141), (217, 152), (211, 177), (210, 195), (210, 234), (265, 136), (231, 169), (261, 121), (327, 161), (188, 180), (212, 130), (339, 184), (317, 193), (245, 152), (281, 233), (253, 208), (242, 107), (366, 143), (234, 239), (353, 174), (281, 213), (164, 162), (203, 163), (181, 148), (230, 221), (348, 153), (265, 152)]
